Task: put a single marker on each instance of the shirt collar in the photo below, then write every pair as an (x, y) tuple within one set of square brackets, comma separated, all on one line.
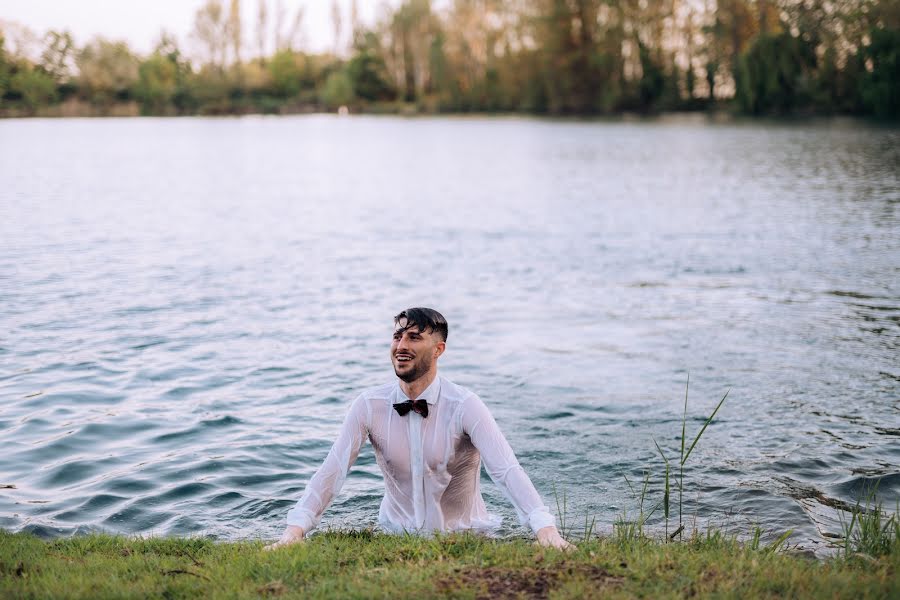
[(429, 394)]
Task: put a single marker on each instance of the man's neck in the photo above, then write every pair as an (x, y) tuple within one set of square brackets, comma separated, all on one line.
[(413, 389)]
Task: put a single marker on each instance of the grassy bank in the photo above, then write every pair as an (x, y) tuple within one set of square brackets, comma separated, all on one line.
[(343, 565)]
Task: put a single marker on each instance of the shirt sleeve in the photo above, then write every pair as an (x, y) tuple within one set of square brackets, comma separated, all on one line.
[(329, 479), (501, 464)]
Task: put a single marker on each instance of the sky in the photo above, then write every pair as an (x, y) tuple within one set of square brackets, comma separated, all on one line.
[(139, 21)]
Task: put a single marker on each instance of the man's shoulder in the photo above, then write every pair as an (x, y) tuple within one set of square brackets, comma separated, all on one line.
[(384, 391), (454, 392)]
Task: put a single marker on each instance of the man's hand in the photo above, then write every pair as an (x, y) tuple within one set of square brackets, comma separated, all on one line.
[(549, 537), (291, 535)]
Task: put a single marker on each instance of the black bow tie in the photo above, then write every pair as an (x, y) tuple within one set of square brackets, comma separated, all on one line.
[(420, 406)]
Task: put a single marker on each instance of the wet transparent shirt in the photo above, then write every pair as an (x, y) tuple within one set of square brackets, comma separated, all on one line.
[(431, 466)]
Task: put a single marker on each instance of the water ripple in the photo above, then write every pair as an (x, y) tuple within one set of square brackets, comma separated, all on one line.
[(182, 340)]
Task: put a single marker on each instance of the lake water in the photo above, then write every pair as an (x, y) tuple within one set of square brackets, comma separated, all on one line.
[(188, 306)]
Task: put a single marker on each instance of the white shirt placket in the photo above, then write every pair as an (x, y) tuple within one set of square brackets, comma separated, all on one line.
[(417, 467)]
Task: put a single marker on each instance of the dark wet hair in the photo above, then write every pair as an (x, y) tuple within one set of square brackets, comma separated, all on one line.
[(424, 318)]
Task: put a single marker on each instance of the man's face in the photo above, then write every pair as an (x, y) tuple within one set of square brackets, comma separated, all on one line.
[(414, 352)]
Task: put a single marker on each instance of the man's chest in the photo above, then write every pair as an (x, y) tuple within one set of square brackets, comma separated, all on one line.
[(435, 448)]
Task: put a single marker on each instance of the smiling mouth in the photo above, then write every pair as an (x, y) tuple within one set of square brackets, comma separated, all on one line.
[(403, 358)]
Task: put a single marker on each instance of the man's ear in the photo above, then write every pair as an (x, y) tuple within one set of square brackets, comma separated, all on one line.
[(439, 348)]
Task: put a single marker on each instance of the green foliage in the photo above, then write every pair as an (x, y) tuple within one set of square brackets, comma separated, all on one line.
[(5, 69), (880, 86), (776, 75), (209, 90), (338, 90), (34, 87), (629, 531), (827, 93), (286, 73), (158, 83), (449, 94), (24, 84), (108, 71), (653, 79), (570, 58), (409, 27), (164, 78), (368, 73), (871, 532)]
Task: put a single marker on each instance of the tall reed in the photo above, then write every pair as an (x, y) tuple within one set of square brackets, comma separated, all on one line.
[(683, 457)]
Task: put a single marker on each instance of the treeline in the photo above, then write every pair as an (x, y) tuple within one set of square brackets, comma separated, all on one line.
[(579, 57)]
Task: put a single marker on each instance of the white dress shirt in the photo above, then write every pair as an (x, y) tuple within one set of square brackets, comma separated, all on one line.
[(431, 466)]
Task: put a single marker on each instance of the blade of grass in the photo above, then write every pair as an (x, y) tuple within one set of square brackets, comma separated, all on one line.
[(774, 546), (589, 528), (754, 541), (687, 386), (560, 510), (705, 425), (666, 492)]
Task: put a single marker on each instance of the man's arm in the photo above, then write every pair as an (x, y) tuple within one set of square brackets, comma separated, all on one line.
[(503, 467), (329, 479)]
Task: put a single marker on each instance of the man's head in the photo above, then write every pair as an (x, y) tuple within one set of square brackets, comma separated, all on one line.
[(420, 336)]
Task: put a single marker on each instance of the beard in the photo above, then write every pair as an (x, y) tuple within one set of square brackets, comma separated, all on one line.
[(419, 368)]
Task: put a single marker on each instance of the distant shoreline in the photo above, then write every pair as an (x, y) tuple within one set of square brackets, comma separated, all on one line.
[(80, 108), (722, 113)]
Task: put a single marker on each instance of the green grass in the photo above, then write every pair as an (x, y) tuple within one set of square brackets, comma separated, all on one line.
[(368, 565), (870, 532)]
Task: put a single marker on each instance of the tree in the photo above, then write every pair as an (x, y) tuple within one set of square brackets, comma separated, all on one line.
[(732, 27), (107, 70), (409, 35), (338, 90), (775, 74), (5, 68), (162, 79), (580, 48), (653, 79), (443, 75), (288, 36), (157, 84), (880, 85), (355, 25), (262, 21), (286, 74), (22, 43), (337, 25), (559, 49), (34, 87), (235, 30), (367, 71), (211, 31), (57, 57)]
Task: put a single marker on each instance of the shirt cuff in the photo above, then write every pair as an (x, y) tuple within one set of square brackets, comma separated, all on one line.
[(300, 517), (540, 518)]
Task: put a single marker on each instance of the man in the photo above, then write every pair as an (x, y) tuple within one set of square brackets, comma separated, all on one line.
[(430, 436)]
